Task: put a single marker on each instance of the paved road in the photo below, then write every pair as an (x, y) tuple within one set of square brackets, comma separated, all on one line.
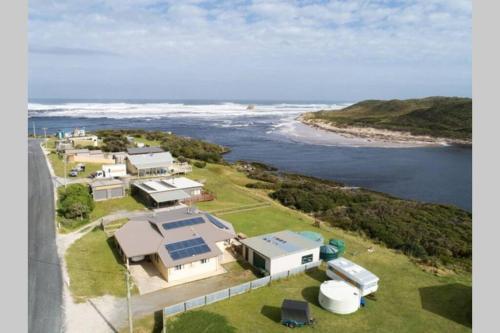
[(44, 274)]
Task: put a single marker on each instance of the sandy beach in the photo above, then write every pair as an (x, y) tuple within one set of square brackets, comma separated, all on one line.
[(382, 137)]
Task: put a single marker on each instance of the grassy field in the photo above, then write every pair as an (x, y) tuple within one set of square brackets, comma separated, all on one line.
[(409, 299), (58, 166), (106, 207), (94, 267)]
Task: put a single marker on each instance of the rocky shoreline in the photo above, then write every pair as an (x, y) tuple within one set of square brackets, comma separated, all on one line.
[(380, 135)]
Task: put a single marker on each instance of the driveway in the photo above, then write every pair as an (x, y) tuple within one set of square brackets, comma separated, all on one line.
[(44, 272)]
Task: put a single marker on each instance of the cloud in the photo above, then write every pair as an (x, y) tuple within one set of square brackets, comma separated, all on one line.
[(206, 36)]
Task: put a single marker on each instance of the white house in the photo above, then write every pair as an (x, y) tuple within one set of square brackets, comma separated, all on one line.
[(280, 251)]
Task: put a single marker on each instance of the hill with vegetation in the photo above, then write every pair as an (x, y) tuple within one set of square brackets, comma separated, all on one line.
[(434, 234), (444, 117)]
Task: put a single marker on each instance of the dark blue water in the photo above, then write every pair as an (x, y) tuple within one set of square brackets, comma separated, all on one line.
[(431, 174)]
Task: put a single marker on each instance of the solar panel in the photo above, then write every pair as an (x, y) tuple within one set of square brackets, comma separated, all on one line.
[(183, 223), (187, 248), (216, 222)]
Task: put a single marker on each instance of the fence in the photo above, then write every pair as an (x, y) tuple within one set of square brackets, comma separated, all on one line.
[(233, 291)]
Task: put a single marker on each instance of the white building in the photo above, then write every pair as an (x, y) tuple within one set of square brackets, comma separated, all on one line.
[(114, 170), (166, 192), (279, 252), (343, 269)]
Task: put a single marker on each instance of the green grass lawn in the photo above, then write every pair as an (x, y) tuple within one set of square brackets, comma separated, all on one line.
[(151, 143), (58, 166), (106, 207), (409, 299), (94, 267)]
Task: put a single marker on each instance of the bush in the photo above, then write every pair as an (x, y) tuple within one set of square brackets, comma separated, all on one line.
[(75, 201), (200, 164)]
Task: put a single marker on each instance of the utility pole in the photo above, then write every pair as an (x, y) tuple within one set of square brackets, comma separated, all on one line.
[(65, 172), (34, 131), (45, 136), (130, 324)]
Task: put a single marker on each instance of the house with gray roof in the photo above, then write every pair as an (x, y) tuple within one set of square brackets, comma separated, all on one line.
[(163, 192), (184, 245), (151, 164), (280, 251), (144, 150)]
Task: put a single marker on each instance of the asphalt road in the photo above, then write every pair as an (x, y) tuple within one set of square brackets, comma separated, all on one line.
[(44, 273)]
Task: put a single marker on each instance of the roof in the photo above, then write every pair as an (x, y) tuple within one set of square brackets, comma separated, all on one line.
[(280, 243), (144, 150), (156, 160), (353, 271), (106, 182), (169, 196), (76, 151), (183, 182), (138, 238), (156, 237)]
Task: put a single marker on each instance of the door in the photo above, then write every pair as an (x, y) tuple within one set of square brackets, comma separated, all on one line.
[(259, 261)]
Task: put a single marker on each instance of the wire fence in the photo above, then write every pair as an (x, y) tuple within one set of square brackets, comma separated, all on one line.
[(234, 291)]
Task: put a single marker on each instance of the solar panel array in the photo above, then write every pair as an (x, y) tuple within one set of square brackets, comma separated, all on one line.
[(187, 248), (183, 223), (216, 222)]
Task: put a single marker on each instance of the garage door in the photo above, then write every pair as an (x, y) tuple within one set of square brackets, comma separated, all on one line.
[(259, 261), (116, 192), (100, 195)]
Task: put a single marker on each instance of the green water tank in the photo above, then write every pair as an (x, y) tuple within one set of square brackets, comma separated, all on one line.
[(328, 252), (339, 244)]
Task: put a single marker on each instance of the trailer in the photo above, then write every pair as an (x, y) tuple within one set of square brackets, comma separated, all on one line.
[(361, 278), (295, 313)]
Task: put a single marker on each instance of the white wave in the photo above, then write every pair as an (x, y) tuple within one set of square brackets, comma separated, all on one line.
[(172, 110)]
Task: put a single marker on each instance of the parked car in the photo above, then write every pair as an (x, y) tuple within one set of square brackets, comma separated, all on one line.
[(295, 313), (80, 167), (73, 173)]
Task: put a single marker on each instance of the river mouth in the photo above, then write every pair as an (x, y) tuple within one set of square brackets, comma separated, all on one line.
[(270, 134)]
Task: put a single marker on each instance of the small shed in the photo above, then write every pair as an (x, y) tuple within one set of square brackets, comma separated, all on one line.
[(104, 189), (280, 251)]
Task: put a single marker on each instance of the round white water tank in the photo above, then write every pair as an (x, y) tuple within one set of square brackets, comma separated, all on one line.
[(338, 296)]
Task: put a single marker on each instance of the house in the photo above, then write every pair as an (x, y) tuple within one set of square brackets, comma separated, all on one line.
[(182, 244), (280, 251), (84, 141), (120, 157), (88, 156), (150, 164), (104, 189), (144, 150), (167, 192)]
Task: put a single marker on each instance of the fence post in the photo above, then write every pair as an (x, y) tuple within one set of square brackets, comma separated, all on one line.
[(229, 292)]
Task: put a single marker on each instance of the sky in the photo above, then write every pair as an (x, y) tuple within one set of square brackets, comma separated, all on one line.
[(253, 50)]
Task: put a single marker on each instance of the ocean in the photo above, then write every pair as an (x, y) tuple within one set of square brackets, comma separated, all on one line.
[(269, 133)]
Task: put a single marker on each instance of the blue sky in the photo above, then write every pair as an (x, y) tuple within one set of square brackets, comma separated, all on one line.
[(272, 50)]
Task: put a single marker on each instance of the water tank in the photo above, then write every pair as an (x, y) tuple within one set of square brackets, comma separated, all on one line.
[(339, 297), (339, 244), (328, 252), (314, 236)]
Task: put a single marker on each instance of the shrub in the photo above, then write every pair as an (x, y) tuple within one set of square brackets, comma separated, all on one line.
[(200, 164), (75, 201)]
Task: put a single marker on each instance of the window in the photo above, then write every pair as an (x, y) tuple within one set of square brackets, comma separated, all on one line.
[(204, 261), (307, 258), (179, 267)]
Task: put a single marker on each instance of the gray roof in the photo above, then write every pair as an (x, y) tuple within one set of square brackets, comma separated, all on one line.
[(157, 160), (76, 151), (353, 271), (280, 243), (144, 150), (106, 182), (148, 237), (169, 196)]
